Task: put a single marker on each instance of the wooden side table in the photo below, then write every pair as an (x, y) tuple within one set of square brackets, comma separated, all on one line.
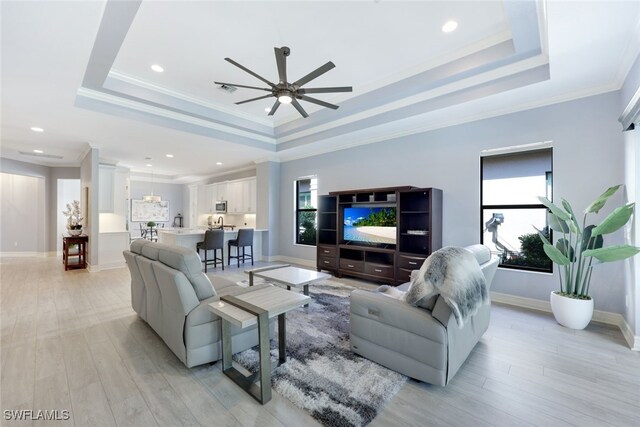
[(81, 254)]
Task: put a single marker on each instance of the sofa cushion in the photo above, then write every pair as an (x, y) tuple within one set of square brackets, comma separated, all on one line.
[(137, 245), (188, 262)]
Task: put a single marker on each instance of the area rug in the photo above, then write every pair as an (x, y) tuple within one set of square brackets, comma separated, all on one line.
[(322, 375)]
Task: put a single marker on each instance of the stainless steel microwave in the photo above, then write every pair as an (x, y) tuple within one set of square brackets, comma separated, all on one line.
[(221, 207)]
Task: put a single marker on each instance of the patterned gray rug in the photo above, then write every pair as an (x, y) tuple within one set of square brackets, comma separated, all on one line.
[(322, 375)]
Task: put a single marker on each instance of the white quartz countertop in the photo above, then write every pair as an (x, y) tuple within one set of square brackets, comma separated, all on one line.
[(199, 231)]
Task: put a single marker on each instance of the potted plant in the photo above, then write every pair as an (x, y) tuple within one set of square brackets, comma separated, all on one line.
[(575, 252), (74, 218)]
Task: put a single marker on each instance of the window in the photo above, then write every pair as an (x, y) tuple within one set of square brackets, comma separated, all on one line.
[(511, 184), (306, 208)]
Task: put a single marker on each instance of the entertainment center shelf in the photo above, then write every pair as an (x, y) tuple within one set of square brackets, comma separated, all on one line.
[(379, 234)]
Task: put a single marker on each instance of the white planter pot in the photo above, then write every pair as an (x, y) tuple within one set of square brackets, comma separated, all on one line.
[(570, 312)]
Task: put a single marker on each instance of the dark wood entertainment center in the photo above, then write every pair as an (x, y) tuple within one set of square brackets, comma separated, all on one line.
[(418, 233)]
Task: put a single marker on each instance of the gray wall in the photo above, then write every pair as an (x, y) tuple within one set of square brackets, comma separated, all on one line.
[(51, 176), (171, 192), (588, 157)]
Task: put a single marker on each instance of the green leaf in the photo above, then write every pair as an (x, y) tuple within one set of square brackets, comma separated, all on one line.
[(614, 221), (555, 255), (597, 241), (553, 208), (566, 249), (557, 224), (543, 237), (567, 207), (599, 203), (612, 253)]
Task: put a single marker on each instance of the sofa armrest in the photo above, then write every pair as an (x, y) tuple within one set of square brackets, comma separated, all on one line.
[(442, 312), (396, 313)]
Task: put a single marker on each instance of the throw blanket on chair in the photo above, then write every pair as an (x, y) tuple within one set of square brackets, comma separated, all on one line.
[(453, 273)]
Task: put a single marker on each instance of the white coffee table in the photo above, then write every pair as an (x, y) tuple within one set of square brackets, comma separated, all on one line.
[(256, 306), (288, 276)]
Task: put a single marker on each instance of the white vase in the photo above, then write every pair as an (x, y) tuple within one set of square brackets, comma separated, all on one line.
[(73, 232), (571, 312)]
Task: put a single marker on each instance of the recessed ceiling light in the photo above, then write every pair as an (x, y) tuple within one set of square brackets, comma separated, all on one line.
[(449, 26), (38, 151), (157, 68), (219, 163), (37, 129), (149, 165), (267, 109), (169, 156)]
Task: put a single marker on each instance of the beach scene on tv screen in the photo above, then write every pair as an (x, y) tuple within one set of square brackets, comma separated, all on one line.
[(371, 225)]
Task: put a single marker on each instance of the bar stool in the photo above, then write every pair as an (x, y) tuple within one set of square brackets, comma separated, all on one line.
[(244, 239), (213, 240)]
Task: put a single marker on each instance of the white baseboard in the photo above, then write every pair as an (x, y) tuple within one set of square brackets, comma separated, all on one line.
[(92, 268), (23, 254), (633, 341), (111, 265), (599, 316)]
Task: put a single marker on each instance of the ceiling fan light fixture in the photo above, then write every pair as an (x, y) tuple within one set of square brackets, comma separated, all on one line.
[(151, 198), (285, 97)]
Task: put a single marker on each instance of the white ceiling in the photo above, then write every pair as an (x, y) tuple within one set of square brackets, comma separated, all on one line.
[(407, 75)]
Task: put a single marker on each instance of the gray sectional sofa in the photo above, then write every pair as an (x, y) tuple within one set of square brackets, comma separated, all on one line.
[(170, 292), (425, 344)]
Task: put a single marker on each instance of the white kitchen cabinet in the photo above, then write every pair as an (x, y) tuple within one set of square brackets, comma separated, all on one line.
[(234, 197), (204, 199), (250, 196), (221, 192), (106, 177)]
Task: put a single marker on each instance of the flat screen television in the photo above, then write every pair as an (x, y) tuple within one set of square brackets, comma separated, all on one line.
[(370, 225)]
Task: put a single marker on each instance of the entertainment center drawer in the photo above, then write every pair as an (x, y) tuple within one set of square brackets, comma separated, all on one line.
[(349, 264), (403, 276), (327, 251), (379, 270), (410, 262), (324, 262)]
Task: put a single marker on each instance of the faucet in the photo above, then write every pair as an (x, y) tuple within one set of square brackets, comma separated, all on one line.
[(221, 222)]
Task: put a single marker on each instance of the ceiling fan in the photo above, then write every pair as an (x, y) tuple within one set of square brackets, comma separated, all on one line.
[(289, 93)]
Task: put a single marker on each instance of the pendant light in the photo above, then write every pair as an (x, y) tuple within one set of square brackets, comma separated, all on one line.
[(151, 198)]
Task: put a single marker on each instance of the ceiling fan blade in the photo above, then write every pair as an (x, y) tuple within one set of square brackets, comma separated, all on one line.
[(249, 71), (281, 60), (274, 108), (298, 107), (319, 102), (254, 99), (248, 87), (325, 89), (314, 74)]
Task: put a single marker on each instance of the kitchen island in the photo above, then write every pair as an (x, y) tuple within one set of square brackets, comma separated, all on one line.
[(189, 237)]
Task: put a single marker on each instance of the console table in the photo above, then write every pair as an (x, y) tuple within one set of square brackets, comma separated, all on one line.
[(81, 253)]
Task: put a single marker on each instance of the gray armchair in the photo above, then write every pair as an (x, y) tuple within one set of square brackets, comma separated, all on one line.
[(424, 344)]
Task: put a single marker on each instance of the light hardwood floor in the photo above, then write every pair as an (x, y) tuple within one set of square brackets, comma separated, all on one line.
[(70, 340)]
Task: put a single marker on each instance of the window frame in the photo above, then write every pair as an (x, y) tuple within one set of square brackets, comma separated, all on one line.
[(549, 188), (298, 210)]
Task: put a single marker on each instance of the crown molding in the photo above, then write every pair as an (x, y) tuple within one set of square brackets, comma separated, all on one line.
[(136, 81), (129, 104)]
